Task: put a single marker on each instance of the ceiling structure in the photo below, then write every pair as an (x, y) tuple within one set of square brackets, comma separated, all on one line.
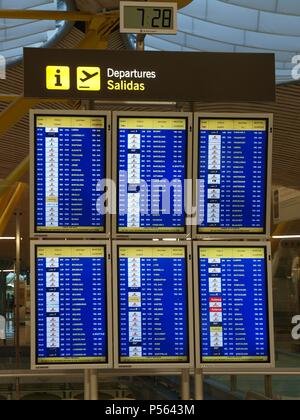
[(14, 145), (95, 6), (238, 26), (15, 34)]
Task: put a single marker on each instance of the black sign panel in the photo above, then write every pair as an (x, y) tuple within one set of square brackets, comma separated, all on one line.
[(149, 76)]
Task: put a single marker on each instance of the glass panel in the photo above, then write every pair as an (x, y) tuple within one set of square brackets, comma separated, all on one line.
[(286, 283), (286, 387), (71, 388)]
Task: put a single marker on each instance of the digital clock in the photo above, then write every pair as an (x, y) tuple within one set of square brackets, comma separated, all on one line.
[(148, 18)]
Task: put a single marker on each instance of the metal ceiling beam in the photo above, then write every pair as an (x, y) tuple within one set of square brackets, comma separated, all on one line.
[(45, 15), (18, 108), (14, 176), (11, 206), (4, 199), (14, 112), (99, 29), (8, 98)]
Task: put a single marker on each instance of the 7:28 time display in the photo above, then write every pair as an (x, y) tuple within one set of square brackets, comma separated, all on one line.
[(152, 17)]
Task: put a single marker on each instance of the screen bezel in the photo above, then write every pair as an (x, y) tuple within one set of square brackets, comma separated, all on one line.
[(269, 293), (34, 233), (63, 365), (222, 234), (115, 168), (190, 315)]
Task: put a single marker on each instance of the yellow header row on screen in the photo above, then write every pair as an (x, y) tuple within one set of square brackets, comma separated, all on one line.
[(236, 253), (218, 359), (234, 125), (154, 230), (54, 360), (152, 123), (151, 252), (70, 122), (78, 229), (157, 359), (70, 252), (230, 230)]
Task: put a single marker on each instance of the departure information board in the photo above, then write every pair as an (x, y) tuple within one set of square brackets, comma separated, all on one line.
[(153, 305), (234, 314), (232, 175), (71, 305), (152, 167), (70, 161)]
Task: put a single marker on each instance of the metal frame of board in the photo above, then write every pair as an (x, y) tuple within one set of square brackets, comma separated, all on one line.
[(153, 365), (71, 366), (189, 171), (237, 235), (64, 234), (233, 365)]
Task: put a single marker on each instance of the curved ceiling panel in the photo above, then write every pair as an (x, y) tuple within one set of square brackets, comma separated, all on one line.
[(238, 26), (17, 34), (276, 6)]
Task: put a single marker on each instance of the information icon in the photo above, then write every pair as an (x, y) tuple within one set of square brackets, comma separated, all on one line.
[(58, 78)]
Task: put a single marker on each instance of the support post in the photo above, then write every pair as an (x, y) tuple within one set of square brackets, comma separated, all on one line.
[(94, 384), (233, 383), (268, 386), (185, 385), (3, 306), (87, 385), (17, 288), (18, 389), (140, 42), (199, 385)]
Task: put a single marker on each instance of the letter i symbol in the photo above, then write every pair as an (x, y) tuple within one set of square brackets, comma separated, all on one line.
[(58, 78)]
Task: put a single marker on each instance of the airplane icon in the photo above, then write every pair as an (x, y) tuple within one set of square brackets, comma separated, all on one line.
[(88, 76)]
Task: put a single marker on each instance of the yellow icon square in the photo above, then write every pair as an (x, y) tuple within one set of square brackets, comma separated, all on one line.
[(89, 78), (58, 78)]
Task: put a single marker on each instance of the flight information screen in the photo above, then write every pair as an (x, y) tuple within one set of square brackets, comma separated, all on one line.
[(233, 304), (70, 161), (71, 305), (232, 175), (152, 168), (153, 312)]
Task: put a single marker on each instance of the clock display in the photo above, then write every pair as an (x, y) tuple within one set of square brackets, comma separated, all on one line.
[(140, 17)]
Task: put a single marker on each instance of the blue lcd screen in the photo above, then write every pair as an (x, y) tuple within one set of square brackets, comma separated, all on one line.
[(71, 305), (153, 304), (70, 161), (152, 168), (233, 291), (232, 175)]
